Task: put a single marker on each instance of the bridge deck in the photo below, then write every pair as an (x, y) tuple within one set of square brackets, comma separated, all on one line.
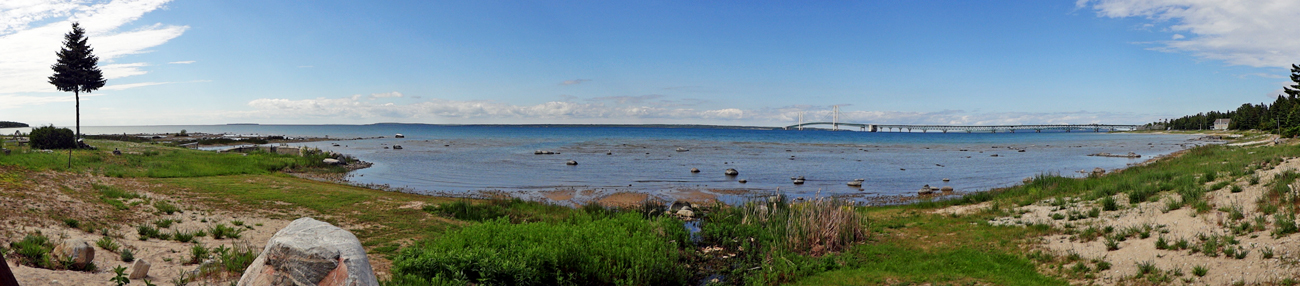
[(971, 128)]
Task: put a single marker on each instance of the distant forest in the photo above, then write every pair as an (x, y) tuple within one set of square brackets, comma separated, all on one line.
[(1283, 115), (11, 124)]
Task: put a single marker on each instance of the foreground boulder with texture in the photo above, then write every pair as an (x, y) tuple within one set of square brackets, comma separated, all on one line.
[(311, 252), (78, 251)]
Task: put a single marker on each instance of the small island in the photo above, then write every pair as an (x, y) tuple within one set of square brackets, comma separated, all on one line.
[(11, 124)]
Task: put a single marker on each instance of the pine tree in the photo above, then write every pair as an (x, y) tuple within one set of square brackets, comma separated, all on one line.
[(77, 71), (1294, 90)]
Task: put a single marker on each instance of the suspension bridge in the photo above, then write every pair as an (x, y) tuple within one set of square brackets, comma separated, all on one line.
[(835, 125)]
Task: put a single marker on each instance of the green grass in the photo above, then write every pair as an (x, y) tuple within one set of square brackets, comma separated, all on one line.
[(622, 249), (157, 161)]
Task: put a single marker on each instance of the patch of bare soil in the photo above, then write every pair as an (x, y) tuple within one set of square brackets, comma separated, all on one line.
[(1185, 223), (43, 202)]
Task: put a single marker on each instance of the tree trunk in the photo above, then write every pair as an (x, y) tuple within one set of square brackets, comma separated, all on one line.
[(76, 94)]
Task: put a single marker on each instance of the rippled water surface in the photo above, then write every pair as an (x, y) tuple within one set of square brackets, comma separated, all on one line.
[(453, 159)]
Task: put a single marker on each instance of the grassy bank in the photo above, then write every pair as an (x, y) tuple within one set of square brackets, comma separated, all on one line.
[(435, 240)]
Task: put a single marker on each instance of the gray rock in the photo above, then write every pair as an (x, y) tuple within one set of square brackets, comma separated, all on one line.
[(855, 183), (946, 189), (331, 161), (686, 212), (732, 172), (694, 170), (139, 269), (798, 181), (742, 181), (571, 163), (79, 251), (311, 252)]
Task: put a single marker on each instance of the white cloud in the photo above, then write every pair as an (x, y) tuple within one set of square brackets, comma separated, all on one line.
[(29, 51), (386, 95), (359, 108), (131, 85), (181, 62), (1258, 33)]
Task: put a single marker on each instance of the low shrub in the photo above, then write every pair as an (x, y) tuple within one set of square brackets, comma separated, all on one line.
[(126, 255), (50, 137), (221, 231), (107, 243), (1200, 271), (166, 207), (198, 253), (1109, 204), (34, 250)]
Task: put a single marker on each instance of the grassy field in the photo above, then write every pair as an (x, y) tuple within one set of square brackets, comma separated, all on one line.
[(820, 242)]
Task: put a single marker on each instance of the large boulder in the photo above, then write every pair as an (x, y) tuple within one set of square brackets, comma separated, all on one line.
[(79, 251), (311, 252)]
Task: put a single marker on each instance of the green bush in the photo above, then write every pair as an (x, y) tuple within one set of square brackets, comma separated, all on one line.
[(34, 250), (127, 256), (221, 231), (166, 207), (621, 249), (50, 137), (107, 243)]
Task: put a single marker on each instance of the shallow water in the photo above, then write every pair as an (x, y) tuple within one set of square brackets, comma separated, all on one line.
[(462, 159)]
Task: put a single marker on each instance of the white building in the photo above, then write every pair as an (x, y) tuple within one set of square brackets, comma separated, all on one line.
[(1222, 124)]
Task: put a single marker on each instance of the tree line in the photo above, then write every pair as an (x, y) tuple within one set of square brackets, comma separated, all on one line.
[(1281, 116)]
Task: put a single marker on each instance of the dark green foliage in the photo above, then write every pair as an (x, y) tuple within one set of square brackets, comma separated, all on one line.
[(1200, 271), (1285, 224), (50, 137), (119, 276), (1285, 110), (623, 248), (127, 256), (11, 124), (34, 250), (77, 69), (72, 223), (221, 231), (1108, 204), (146, 232), (1102, 265), (515, 209), (198, 253)]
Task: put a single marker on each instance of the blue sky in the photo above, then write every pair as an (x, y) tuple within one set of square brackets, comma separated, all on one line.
[(721, 62)]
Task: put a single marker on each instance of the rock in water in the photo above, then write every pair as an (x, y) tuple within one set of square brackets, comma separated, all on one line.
[(79, 251), (571, 162), (311, 252), (140, 269), (732, 172), (694, 170), (331, 161)]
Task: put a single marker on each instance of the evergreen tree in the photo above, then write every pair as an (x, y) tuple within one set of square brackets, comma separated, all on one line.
[(1293, 90), (77, 69)]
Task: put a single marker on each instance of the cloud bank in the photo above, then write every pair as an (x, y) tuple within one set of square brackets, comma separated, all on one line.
[(1258, 33), (371, 108), (29, 51)]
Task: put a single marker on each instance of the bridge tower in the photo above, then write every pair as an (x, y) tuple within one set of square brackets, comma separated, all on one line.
[(835, 117)]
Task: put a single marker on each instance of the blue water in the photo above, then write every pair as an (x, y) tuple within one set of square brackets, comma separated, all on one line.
[(461, 159)]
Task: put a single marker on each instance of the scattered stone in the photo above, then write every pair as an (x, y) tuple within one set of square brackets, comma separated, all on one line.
[(994, 155), (694, 170), (742, 181), (798, 181), (311, 252), (946, 189), (331, 161), (1098, 171), (139, 269), (79, 251), (571, 163), (732, 172), (543, 152), (397, 147), (115, 152), (685, 213), (945, 180), (855, 183)]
